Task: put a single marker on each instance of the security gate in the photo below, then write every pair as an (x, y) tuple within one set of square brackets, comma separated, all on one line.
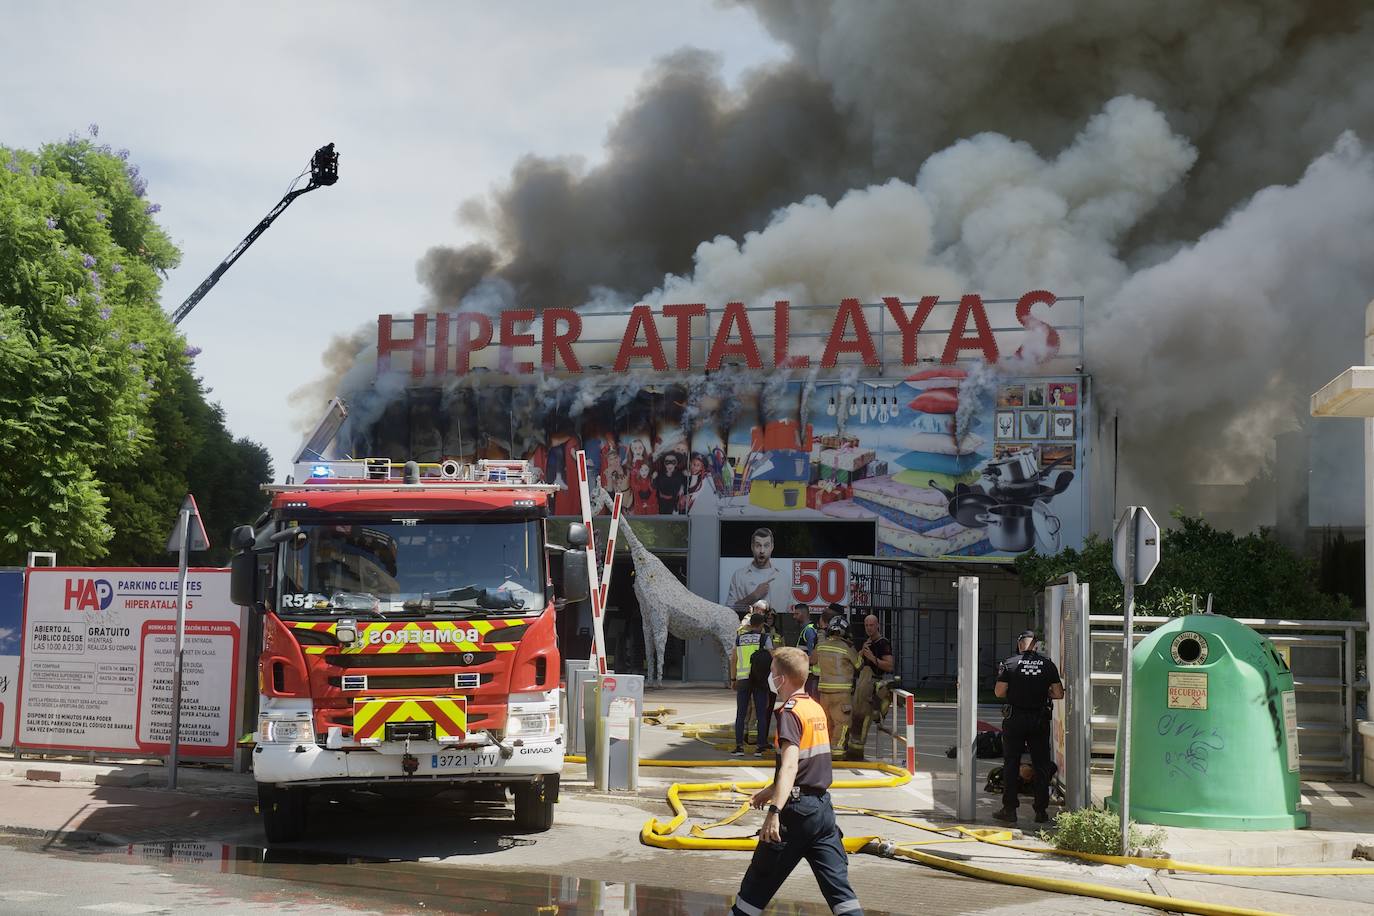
[(1320, 653)]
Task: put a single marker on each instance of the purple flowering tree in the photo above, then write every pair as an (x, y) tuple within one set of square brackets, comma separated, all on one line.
[(74, 214)]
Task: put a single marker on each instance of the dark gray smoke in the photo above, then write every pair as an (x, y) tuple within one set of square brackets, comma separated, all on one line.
[(690, 159), (1118, 149)]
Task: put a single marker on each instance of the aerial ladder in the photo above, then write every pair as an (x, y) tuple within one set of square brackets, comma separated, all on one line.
[(324, 171)]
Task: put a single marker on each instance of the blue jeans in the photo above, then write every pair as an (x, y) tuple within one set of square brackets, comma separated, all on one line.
[(744, 695)]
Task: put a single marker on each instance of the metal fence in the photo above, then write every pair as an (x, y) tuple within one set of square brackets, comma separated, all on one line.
[(1320, 653), (924, 626)]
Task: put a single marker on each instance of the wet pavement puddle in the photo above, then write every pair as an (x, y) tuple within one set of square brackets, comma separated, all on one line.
[(388, 885)]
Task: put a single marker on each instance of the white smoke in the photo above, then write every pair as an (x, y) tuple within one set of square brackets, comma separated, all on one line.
[(1210, 349)]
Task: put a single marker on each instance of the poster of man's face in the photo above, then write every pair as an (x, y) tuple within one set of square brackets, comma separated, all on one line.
[(761, 546)]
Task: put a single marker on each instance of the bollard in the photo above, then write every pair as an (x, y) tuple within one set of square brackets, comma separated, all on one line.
[(633, 781), (602, 779), (968, 697)]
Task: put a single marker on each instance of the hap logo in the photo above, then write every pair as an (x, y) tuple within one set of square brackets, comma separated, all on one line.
[(88, 595)]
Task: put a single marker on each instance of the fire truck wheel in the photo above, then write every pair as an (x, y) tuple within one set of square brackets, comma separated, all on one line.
[(534, 804), (283, 812)]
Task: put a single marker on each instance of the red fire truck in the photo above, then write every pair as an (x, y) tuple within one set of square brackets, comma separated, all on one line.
[(408, 636)]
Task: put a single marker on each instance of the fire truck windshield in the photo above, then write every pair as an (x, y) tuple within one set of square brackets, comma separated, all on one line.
[(439, 569)]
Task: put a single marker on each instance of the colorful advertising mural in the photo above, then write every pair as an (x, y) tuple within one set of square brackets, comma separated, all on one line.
[(951, 427), (947, 461)]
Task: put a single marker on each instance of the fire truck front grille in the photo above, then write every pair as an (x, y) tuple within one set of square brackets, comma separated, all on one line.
[(344, 718), (414, 682), (412, 660)]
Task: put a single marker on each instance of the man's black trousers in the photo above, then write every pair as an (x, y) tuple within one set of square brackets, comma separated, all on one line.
[(809, 832), (746, 694), (1026, 728)]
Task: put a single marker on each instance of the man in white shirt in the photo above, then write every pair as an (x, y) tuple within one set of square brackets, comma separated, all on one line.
[(757, 580)]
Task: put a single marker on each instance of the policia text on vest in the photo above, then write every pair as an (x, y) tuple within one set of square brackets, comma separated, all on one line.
[(800, 823), (1028, 682)]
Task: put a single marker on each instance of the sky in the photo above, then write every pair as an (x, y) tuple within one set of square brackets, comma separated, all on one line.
[(429, 104)]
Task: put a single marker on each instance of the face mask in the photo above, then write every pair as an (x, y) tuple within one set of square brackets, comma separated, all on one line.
[(773, 684)]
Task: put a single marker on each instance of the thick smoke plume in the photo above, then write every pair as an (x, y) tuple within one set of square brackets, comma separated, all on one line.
[(1195, 170)]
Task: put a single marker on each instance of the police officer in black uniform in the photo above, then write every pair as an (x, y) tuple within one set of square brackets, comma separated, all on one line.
[(1027, 682)]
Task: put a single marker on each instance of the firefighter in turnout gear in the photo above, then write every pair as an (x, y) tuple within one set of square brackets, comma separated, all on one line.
[(800, 823), (1028, 682), (873, 693), (837, 661)]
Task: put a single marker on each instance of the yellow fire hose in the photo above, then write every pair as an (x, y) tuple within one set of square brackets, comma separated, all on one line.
[(660, 835)]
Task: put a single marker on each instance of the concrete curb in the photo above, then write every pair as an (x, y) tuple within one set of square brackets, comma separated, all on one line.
[(66, 836)]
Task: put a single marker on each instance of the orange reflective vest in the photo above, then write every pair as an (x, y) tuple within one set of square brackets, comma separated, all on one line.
[(815, 740)]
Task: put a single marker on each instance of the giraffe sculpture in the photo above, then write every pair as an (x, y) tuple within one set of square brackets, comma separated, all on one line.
[(666, 606)]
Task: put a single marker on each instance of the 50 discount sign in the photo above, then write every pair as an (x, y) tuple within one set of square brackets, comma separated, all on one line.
[(820, 582)]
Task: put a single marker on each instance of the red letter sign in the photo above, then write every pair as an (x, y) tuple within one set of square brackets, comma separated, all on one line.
[(1031, 323), (684, 313), (510, 340), (468, 342), (837, 344), (555, 343), (970, 305), (386, 345), (630, 348), (910, 327), (782, 338), (721, 347)]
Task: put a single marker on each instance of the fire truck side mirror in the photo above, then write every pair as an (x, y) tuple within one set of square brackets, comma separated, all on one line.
[(575, 584), (243, 568)]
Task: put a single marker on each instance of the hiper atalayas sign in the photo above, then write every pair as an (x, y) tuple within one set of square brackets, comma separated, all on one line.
[(97, 661)]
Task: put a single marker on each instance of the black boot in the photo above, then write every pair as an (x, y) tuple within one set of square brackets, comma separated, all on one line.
[(1005, 815), (1041, 816)]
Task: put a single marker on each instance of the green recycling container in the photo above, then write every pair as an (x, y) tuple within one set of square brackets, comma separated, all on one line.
[(1214, 730)]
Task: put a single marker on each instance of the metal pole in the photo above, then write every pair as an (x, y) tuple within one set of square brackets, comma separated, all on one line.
[(968, 697), (184, 527), (1083, 695), (1352, 754), (1128, 643), (1368, 522), (1071, 631)]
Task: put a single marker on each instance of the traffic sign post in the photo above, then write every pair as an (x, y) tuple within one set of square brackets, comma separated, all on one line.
[(187, 535), (1135, 554)]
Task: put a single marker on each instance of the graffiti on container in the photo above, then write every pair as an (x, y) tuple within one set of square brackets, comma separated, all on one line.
[(1189, 755)]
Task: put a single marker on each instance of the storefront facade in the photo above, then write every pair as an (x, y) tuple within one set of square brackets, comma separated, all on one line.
[(760, 448)]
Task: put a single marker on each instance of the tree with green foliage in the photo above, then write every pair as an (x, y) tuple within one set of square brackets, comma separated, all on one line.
[(103, 426), (1249, 575)]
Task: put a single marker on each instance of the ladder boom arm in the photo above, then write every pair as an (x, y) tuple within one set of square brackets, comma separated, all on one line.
[(324, 171), (208, 283)]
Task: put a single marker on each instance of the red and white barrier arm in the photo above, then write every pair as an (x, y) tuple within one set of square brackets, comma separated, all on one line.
[(610, 550), (598, 657)]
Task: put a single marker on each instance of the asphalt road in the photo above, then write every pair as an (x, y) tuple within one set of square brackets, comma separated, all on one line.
[(371, 855)]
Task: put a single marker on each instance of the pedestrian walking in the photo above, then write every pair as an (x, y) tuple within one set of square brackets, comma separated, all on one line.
[(806, 641), (1028, 682), (750, 680), (837, 661), (800, 823), (873, 691)]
